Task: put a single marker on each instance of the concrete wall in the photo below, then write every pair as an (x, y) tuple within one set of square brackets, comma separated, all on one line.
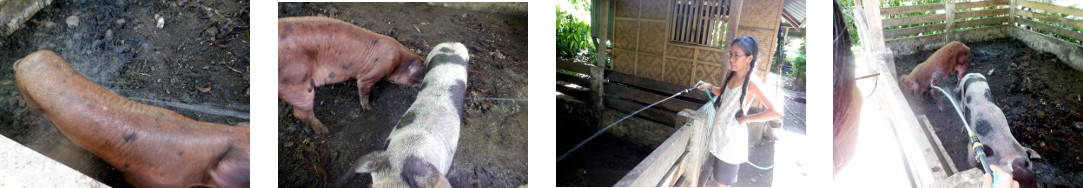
[(641, 46), (1068, 53)]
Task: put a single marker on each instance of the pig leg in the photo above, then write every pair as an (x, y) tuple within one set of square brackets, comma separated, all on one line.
[(364, 86), (302, 108)]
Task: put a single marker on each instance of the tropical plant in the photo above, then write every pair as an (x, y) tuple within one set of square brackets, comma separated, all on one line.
[(573, 35)]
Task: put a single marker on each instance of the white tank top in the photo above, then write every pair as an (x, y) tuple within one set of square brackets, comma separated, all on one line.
[(729, 141)]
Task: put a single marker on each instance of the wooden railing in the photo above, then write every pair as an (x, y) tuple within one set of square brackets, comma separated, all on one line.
[(942, 18), (1051, 19), (577, 74)]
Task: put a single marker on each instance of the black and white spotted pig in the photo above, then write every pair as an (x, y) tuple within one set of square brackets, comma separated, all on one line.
[(422, 145), (990, 125)]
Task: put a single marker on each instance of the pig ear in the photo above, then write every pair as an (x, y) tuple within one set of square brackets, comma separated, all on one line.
[(420, 173), (371, 162), (1032, 154)]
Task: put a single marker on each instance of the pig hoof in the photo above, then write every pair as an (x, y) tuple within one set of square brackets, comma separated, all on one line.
[(365, 105)]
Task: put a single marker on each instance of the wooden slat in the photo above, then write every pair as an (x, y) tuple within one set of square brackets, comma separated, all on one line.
[(576, 93), (909, 9), (913, 30), (913, 20), (1051, 8), (978, 22), (660, 86), (1046, 17), (648, 98), (582, 82), (574, 67), (651, 114), (1048, 28), (970, 5), (978, 13)]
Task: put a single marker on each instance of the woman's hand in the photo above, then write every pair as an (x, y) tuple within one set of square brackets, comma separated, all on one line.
[(1004, 179), (704, 86), (742, 120)]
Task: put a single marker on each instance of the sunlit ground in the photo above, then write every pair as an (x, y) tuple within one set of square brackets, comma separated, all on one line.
[(792, 147), (877, 161)]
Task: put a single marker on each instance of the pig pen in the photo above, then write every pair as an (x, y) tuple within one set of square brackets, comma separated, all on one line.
[(492, 149), (196, 64), (1038, 93), (603, 161)]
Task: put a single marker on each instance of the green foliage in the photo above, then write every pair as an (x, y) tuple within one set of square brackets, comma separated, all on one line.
[(573, 36), (798, 64)]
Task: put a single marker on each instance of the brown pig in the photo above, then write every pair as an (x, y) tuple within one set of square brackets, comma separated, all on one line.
[(314, 51), (951, 58), (152, 146)]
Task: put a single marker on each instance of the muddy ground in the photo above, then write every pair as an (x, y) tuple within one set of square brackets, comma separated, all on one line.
[(603, 161), (492, 149), (196, 65), (1038, 93)]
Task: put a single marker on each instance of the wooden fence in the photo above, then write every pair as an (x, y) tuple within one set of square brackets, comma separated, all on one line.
[(1043, 26)]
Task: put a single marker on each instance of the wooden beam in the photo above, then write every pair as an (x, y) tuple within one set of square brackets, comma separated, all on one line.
[(985, 21), (1048, 28), (910, 9), (979, 13), (582, 82), (970, 5), (656, 85), (574, 67), (1051, 18), (648, 98), (913, 30), (652, 114), (732, 23), (576, 93), (913, 20), (1052, 8)]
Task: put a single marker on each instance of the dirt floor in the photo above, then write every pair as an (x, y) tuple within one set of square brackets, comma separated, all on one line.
[(492, 149), (606, 159), (197, 65), (1038, 94)]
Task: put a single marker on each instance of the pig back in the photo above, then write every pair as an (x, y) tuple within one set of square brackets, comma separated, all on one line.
[(431, 125), (989, 124)]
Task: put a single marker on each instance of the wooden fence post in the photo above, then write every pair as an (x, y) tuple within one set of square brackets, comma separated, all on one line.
[(597, 72), (949, 22)]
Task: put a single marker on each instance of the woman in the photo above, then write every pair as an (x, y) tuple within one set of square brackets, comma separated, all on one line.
[(729, 144)]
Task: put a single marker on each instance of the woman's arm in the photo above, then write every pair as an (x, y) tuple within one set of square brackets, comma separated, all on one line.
[(754, 86), (704, 86)]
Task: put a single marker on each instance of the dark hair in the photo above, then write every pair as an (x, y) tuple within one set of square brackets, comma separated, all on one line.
[(751, 47)]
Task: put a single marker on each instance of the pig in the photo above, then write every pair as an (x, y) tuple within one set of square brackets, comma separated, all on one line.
[(951, 58), (991, 127), (422, 145), (152, 146), (315, 51)]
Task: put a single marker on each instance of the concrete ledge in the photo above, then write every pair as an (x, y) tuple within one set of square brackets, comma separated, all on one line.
[(23, 167), (14, 12), (1069, 53), (906, 46)]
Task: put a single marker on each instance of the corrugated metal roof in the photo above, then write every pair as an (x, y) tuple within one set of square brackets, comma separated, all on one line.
[(796, 10)]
